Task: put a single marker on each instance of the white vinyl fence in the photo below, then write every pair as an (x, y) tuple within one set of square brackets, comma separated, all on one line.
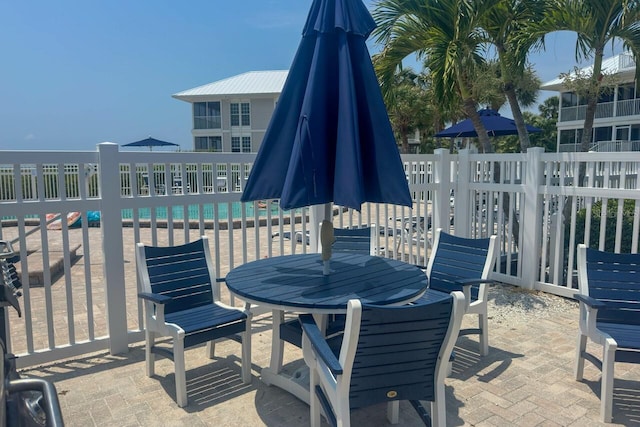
[(79, 278)]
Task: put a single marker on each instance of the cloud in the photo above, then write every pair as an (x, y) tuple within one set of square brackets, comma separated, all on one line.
[(30, 137)]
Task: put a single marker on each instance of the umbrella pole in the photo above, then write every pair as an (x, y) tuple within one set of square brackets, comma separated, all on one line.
[(326, 237), (328, 214), (318, 213)]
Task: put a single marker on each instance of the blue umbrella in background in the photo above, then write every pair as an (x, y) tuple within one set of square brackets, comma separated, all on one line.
[(494, 123), (151, 143), (329, 139)]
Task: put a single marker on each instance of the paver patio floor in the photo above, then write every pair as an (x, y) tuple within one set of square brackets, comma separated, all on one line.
[(526, 380)]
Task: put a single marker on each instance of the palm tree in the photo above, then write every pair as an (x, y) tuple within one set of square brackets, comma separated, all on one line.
[(597, 23), (489, 87), (445, 34), (505, 25), (407, 104)]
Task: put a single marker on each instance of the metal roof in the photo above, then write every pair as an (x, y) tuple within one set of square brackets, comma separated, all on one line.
[(622, 63), (250, 83)]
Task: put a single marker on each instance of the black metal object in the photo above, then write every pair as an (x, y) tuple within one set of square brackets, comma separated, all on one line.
[(23, 401)]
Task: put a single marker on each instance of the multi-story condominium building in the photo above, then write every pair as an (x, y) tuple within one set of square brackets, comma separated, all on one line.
[(617, 122), (232, 115)]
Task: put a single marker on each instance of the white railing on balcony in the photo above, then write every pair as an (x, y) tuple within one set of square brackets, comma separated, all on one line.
[(79, 295), (608, 146), (628, 107), (603, 110)]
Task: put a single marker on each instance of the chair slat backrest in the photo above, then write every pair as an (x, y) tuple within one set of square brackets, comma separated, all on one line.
[(356, 240), (181, 273), (458, 258), (398, 350), (614, 279)]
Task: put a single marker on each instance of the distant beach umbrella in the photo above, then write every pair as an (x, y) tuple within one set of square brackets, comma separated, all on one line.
[(151, 143), (494, 123), (330, 139)]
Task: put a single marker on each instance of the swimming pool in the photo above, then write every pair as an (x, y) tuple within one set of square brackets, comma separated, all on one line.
[(193, 211)]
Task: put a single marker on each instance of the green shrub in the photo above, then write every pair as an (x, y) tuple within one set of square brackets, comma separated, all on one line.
[(610, 232)]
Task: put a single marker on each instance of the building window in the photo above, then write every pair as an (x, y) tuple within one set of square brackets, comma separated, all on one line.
[(240, 144), (206, 115), (568, 137), (240, 114), (235, 144), (602, 133), (626, 91), (606, 95), (208, 143), (569, 99)]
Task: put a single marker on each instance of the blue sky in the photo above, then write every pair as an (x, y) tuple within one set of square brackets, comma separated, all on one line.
[(77, 73)]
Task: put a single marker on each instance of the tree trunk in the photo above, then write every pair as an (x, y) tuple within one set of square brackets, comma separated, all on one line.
[(523, 135), (590, 114), (592, 101), (405, 143), (472, 113)]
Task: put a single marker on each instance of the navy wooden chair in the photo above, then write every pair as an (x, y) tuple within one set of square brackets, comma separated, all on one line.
[(464, 264), (356, 240), (609, 315), (387, 354), (182, 301)]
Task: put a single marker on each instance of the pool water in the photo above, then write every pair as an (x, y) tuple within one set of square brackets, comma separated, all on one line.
[(208, 213)]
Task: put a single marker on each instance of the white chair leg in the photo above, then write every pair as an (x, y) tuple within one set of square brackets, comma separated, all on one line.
[(606, 393), (483, 338), (246, 354), (393, 411), (148, 355), (579, 366), (314, 402), (180, 375), (211, 349), (439, 408)]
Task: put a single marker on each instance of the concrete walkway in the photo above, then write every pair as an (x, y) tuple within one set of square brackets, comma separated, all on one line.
[(526, 380)]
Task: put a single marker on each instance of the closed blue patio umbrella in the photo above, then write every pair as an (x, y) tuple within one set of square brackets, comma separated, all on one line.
[(494, 123), (329, 139)]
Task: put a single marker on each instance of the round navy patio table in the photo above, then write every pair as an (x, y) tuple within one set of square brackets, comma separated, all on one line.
[(296, 283)]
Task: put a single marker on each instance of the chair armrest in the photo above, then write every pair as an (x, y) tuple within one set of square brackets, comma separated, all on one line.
[(154, 298), (319, 344), (589, 301)]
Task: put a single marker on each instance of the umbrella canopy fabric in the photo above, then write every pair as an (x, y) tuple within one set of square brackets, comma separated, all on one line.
[(494, 123), (150, 142), (329, 139)]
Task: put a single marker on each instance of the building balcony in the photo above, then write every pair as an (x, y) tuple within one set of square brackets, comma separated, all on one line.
[(207, 122), (603, 146), (625, 108)]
